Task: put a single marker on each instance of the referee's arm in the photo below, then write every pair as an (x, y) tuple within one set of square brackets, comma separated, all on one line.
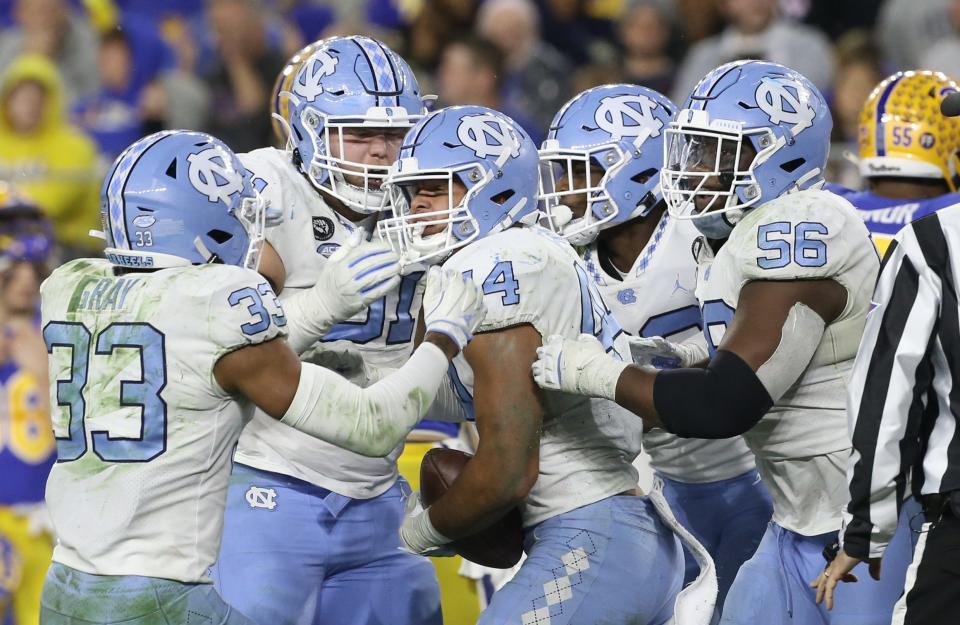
[(885, 395)]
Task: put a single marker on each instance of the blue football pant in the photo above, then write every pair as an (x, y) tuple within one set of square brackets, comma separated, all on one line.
[(320, 557), (612, 562), (773, 587), (72, 597), (727, 517)]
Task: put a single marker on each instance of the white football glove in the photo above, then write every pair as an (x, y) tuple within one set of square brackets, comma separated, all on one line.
[(579, 366), (659, 353), (417, 534), (356, 275), (452, 305)]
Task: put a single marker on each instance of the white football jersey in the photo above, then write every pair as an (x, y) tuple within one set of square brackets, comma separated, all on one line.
[(656, 298), (802, 444), (144, 432), (310, 232), (530, 275)]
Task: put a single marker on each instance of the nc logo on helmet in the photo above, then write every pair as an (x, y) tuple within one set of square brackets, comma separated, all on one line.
[(211, 175), (627, 116), (308, 82), (785, 101), (488, 135)]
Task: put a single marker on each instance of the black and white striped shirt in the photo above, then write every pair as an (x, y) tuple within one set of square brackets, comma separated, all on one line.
[(903, 398)]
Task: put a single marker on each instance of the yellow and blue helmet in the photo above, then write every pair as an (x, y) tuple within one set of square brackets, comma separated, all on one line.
[(902, 132), (280, 103)]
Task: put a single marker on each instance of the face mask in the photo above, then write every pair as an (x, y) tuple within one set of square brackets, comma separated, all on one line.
[(717, 225)]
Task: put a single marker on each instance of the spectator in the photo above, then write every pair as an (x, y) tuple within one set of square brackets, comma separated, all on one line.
[(435, 25), (944, 55), (858, 72), (47, 27), (469, 73), (907, 28), (242, 75), (645, 32), (581, 30), (141, 92), (29, 448), (49, 159), (756, 32), (536, 79)]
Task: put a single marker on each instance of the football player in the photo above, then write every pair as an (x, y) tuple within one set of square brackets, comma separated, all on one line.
[(604, 150), (27, 447), (784, 282), (909, 153), (464, 192), (328, 551), (158, 355)]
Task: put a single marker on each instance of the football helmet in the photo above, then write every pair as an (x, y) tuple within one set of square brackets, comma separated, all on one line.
[(614, 129), (902, 132), (750, 132), (348, 83), (179, 198), (482, 149)]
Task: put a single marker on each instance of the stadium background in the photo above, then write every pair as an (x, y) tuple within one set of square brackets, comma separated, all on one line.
[(81, 79)]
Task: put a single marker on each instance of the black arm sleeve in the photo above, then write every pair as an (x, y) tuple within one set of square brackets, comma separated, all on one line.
[(724, 400)]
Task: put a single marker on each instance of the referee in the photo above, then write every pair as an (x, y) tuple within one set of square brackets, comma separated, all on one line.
[(903, 401)]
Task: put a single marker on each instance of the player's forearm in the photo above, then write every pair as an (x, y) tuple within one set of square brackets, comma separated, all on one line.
[(635, 393), (370, 421)]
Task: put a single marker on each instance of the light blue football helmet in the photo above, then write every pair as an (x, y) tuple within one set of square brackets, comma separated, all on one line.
[(179, 198), (620, 129), (349, 83), (782, 116), (483, 149)]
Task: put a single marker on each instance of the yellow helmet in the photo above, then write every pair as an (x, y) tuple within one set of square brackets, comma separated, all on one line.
[(280, 103), (902, 132)]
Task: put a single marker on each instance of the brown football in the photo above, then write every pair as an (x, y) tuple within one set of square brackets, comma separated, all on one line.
[(500, 545)]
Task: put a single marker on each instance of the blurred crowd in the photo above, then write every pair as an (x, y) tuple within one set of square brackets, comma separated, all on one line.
[(81, 79)]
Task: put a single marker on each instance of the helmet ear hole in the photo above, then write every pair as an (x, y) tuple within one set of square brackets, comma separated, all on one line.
[(502, 197), (172, 169), (792, 166), (219, 236)]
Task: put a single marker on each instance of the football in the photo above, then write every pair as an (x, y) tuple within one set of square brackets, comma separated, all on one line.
[(500, 545)]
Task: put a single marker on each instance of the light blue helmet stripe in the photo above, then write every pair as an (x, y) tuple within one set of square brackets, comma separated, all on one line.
[(115, 202), (384, 74)]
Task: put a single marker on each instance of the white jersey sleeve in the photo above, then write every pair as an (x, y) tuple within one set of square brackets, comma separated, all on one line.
[(811, 235)]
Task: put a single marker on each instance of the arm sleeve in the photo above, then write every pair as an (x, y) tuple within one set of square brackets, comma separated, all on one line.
[(370, 421), (307, 320), (888, 387), (724, 400)]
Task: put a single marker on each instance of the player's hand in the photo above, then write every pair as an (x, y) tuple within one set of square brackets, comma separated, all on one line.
[(579, 366), (453, 305), (659, 353), (839, 571), (357, 274), (417, 534)]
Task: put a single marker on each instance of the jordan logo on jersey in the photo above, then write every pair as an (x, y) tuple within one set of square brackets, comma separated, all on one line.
[(488, 136), (262, 497), (211, 175), (627, 116)]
